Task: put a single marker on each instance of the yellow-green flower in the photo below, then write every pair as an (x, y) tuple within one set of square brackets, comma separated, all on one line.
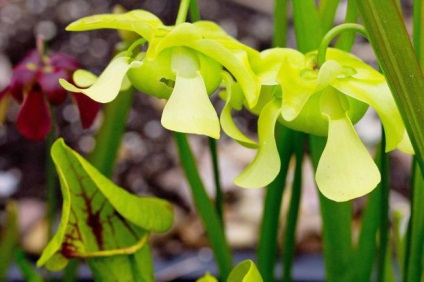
[(182, 64), (325, 101)]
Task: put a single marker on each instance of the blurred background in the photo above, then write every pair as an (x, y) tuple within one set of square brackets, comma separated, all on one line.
[(148, 161)]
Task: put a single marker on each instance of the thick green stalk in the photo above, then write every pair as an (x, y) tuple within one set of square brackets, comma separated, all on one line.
[(51, 184), (205, 208), (268, 243), (292, 216), (9, 238), (397, 59), (194, 11), (108, 139)]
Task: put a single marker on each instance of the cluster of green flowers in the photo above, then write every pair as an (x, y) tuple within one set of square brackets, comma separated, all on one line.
[(188, 62)]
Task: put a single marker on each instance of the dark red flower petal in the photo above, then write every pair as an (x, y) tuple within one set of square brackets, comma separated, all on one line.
[(49, 83), (87, 108), (32, 57), (21, 77), (34, 117), (64, 61)]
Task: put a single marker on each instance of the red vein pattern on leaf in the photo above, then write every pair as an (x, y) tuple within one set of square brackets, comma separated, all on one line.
[(93, 218), (69, 249)]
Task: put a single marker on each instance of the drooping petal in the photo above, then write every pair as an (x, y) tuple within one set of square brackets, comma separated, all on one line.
[(189, 109), (107, 86), (87, 109), (345, 170), (234, 100), (266, 165), (379, 97), (34, 120), (139, 21), (297, 87)]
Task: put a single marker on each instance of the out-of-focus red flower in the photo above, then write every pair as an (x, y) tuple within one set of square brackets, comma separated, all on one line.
[(35, 85)]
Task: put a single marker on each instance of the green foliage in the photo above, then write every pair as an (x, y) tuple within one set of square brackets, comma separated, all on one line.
[(100, 221)]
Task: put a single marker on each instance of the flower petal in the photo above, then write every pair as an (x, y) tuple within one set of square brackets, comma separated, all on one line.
[(34, 120), (107, 86), (139, 21), (87, 109), (378, 96), (189, 109), (49, 83), (346, 170), (266, 165), (234, 100)]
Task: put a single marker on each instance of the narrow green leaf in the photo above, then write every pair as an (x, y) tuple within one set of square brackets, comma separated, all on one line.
[(245, 271), (415, 259), (327, 12), (27, 269), (9, 237), (397, 59)]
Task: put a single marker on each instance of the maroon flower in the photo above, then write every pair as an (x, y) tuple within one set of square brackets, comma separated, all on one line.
[(35, 85)]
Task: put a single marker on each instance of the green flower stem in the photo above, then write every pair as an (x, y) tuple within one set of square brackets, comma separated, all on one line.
[(333, 33), (268, 242), (108, 139), (336, 216), (51, 184), (327, 12), (205, 208), (384, 216), (9, 238), (26, 268), (365, 252), (307, 25), (337, 229), (219, 195), (267, 246), (194, 11), (347, 39), (290, 236), (280, 23), (397, 59), (182, 11)]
